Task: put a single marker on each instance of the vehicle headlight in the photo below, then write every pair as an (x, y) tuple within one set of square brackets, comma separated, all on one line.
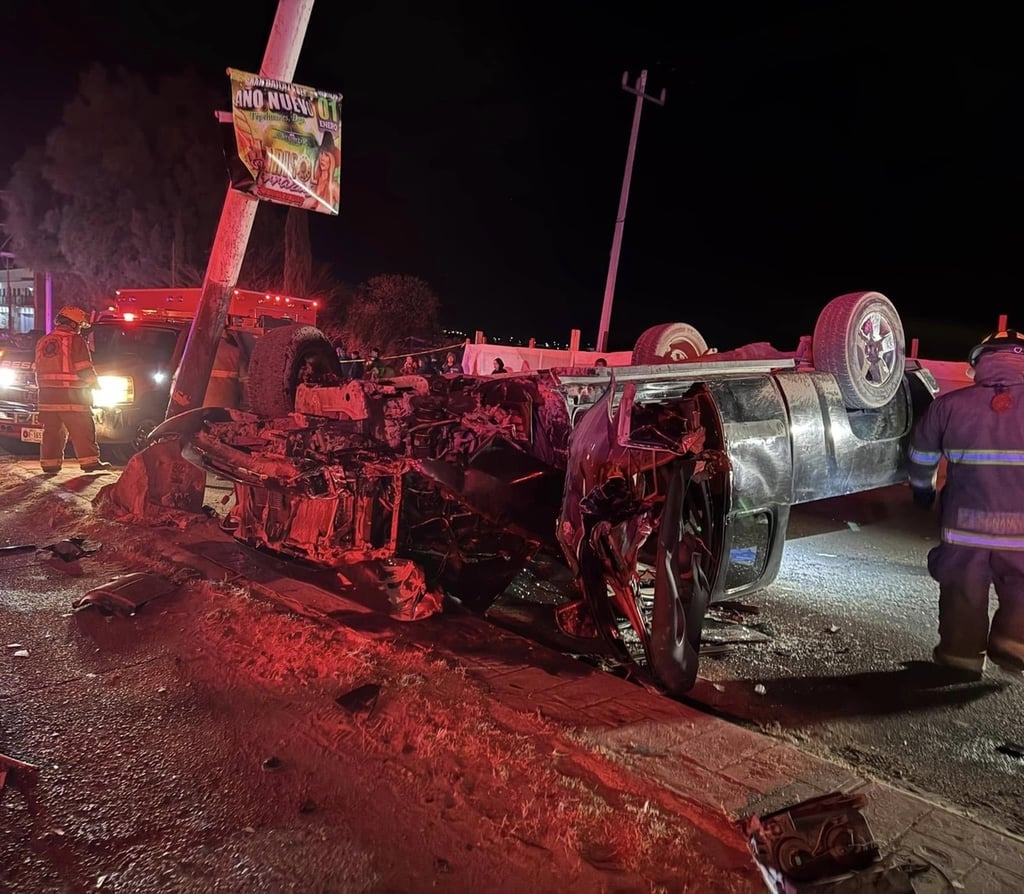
[(113, 390), (7, 377)]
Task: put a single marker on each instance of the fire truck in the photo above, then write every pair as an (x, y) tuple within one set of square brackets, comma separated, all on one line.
[(137, 343)]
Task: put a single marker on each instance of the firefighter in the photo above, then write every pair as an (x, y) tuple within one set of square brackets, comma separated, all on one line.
[(979, 430), (224, 388), (66, 377)]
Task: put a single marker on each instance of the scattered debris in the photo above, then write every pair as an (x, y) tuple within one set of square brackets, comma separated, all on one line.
[(21, 548), (817, 839), (65, 554), (361, 700), (21, 653), (853, 526), (73, 548), (126, 594), (733, 605), (832, 628), (714, 650), (272, 763), (1011, 749), (721, 631), (760, 689)]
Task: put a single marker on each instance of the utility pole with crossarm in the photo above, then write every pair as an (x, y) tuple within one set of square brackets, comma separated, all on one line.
[(620, 220)]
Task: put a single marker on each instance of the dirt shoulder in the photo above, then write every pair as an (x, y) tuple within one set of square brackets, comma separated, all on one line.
[(213, 742)]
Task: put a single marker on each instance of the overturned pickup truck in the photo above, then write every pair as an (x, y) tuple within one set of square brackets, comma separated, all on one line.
[(662, 487)]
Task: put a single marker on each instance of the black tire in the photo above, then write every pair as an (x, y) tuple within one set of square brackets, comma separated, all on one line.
[(277, 361), (141, 439), (668, 343), (859, 339), (687, 538)]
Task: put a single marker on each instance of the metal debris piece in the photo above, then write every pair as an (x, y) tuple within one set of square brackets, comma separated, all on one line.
[(1011, 749), (733, 605), (21, 774), (760, 689), (71, 549), (126, 594), (713, 650), (722, 631), (361, 700), (817, 839), (21, 653), (22, 548)]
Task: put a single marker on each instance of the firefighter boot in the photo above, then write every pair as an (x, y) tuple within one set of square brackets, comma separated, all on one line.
[(1006, 638), (963, 629), (1007, 653), (98, 466)]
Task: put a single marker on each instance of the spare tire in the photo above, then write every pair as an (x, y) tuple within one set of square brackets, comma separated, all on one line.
[(283, 357), (668, 343), (859, 339)]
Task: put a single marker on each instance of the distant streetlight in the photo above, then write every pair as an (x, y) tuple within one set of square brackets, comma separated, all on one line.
[(620, 219)]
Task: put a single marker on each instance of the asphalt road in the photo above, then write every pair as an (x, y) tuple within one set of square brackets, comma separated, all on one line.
[(845, 670)]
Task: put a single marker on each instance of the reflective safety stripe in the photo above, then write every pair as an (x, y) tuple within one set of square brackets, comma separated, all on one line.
[(59, 380), (986, 457), (223, 374), (64, 408), (924, 457), (983, 541)]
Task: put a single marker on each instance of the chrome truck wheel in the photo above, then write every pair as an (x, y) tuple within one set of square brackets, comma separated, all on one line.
[(668, 343), (859, 339)]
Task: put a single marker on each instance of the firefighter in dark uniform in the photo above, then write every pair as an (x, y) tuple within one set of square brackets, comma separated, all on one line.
[(66, 377), (979, 430)]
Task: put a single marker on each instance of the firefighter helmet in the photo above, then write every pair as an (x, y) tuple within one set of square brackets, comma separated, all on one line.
[(74, 315), (1003, 340)]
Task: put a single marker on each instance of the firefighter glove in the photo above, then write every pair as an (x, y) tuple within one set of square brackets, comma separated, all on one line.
[(924, 497)]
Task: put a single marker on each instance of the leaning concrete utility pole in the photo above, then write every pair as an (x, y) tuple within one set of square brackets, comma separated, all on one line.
[(189, 386), (620, 220)]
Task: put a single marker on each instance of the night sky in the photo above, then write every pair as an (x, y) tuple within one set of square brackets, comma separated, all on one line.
[(804, 150)]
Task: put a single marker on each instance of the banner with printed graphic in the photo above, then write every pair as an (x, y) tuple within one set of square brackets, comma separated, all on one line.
[(288, 142)]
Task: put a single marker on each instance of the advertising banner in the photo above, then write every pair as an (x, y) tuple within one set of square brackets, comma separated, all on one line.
[(288, 142)]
